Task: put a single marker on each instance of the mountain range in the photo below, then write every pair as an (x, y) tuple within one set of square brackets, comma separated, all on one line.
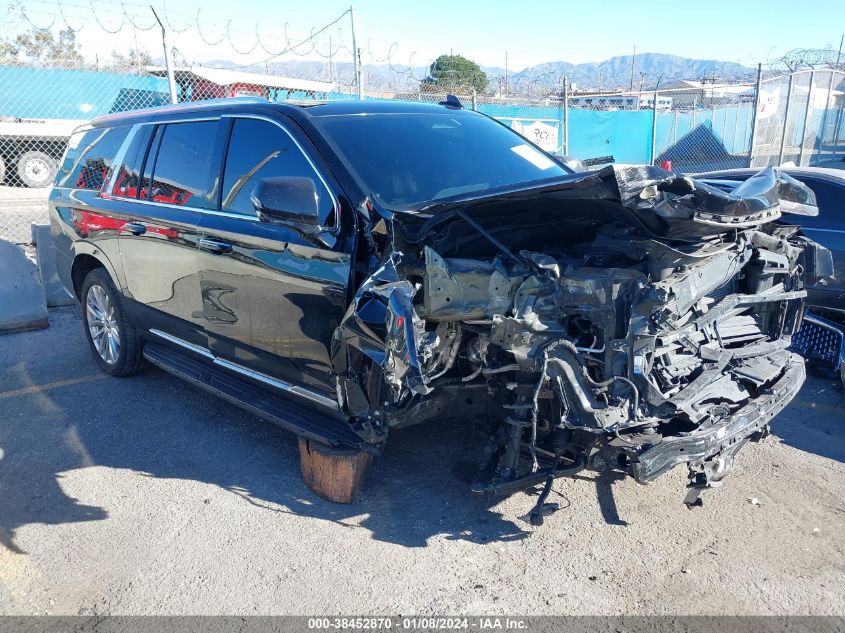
[(616, 72)]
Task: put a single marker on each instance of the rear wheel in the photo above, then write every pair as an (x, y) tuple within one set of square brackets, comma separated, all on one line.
[(114, 343), (36, 169)]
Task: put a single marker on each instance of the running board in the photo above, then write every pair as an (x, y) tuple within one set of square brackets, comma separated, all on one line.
[(307, 421)]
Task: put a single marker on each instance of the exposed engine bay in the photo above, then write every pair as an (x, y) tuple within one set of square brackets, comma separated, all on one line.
[(630, 319)]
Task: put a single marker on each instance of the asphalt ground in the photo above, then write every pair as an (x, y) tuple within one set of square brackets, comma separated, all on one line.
[(19, 208), (148, 496)]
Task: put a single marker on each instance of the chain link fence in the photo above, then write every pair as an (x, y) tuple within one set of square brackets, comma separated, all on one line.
[(799, 119), (694, 126)]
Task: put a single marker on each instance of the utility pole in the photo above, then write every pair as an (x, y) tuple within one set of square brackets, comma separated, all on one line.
[(565, 116), (168, 60), (331, 69), (137, 54), (506, 73), (633, 64), (654, 121), (757, 88), (356, 55)]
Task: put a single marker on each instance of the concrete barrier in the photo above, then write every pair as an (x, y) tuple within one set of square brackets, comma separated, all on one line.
[(22, 304), (45, 252)]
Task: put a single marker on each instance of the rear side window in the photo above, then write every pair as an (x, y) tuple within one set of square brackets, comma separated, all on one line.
[(260, 149), (89, 156), (182, 172)]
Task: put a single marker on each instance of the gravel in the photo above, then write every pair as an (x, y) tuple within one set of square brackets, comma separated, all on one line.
[(147, 496)]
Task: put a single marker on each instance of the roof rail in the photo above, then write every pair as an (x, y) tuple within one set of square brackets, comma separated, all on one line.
[(164, 107)]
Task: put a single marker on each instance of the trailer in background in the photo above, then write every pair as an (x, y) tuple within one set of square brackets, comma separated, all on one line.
[(30, 149), (40, 107)]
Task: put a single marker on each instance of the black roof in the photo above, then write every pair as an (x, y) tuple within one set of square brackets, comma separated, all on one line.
[(252, 104)]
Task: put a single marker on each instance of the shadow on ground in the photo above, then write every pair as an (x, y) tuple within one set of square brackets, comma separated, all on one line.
[(159, 426), (814, 422), (162, 427)]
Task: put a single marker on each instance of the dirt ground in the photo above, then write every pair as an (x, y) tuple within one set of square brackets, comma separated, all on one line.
[(145, 495)]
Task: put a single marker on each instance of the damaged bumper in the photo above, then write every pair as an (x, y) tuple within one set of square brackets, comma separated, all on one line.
[(704, 444)]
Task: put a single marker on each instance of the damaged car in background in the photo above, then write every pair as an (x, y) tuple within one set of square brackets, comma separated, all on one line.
[(629, 319)]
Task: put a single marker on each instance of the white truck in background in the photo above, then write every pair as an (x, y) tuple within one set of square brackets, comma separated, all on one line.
[(30, 149)]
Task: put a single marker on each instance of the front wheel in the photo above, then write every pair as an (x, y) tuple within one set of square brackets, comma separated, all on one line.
[(114, 343), (37, 169)]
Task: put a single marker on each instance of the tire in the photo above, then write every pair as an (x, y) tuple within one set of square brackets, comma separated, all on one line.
[(37, 169), (118, 350)]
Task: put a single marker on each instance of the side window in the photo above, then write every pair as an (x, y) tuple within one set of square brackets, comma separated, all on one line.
[(89, 156), (129, 175), (260, 149), (182, 171)]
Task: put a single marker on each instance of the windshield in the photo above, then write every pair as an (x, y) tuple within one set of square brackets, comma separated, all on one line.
[(403, 159)]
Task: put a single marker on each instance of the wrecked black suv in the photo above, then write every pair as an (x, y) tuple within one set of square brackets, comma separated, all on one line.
[(343, 269)]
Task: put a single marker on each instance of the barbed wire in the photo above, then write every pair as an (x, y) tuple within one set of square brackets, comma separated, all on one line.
[(104, 27), (75, 17), (292, 48), (170, 26), (152, 25), (36, 26), (799, 58), (202, 37), (65, 20)]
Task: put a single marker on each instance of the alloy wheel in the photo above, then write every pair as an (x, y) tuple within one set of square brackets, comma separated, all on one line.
[(103, 326)]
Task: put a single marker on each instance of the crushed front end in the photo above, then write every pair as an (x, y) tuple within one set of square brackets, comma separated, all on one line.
[(630, 319)]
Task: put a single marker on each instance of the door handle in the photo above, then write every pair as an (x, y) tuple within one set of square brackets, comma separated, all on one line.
[(216, 247), (136, 228)]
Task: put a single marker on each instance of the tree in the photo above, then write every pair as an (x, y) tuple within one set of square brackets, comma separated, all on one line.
[(456, 73), (133, 58), (42, 46)]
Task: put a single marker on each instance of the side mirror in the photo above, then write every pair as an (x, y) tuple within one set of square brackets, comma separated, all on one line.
[(291, 199)]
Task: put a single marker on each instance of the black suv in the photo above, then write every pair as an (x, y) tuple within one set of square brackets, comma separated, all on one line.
[(347, 268)]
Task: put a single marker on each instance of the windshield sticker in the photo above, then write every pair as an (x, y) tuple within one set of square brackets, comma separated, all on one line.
[(533, 156)]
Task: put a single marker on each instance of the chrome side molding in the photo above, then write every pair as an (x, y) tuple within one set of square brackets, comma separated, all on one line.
[(302, 392), (178, 341)]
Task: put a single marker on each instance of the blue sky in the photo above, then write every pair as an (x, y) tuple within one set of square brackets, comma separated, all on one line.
[(533, 32), (530, 32)]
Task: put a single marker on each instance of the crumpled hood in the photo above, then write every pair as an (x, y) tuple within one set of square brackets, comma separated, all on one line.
[(660, 202)]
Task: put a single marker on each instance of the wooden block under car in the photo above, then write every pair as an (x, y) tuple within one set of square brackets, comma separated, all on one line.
[(332, 475)]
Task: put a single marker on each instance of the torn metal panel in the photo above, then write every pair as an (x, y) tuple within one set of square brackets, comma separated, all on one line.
[(382, 324)]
